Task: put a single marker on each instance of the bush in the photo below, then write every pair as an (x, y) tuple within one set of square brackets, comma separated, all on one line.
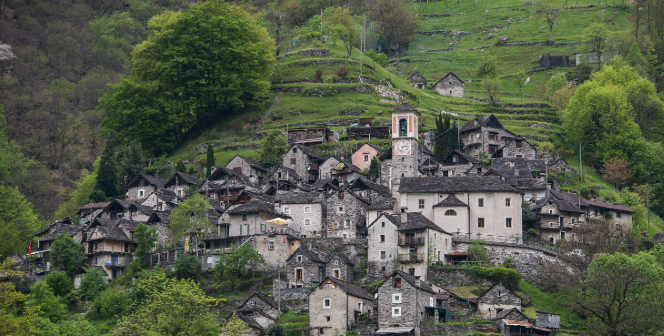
[(377, 57), (60, 282), (111, 302), (342, 72), (92, 284), (318, 75), (510, 277), (276, 330), (187, 267)]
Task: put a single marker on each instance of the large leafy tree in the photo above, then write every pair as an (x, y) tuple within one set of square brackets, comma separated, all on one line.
[(42, 296), (233, 266), (273, 148), (595, 37), (345, 27), (18, 222), (92, 283), (195, 67), (67, 255), (190, 215), (146, 236), (454, 141), (396, 23)]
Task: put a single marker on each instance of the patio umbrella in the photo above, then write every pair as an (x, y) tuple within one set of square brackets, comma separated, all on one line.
[(278, 221)]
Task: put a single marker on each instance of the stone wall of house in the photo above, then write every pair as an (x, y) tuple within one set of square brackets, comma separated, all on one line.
[(298, 217), (498, 298), (326, 167), (274, 249), (354, 250), (345, 215), (549, 62), (446, 277), (526, 151), (365, 329), (385, 168), (455, 89), (311, 271), (301, 162), (256, 302), (412, 303), (345, 270), (530, 260), (454, 170), (475, 145), (361, 133), (456, 329), (377, 267)]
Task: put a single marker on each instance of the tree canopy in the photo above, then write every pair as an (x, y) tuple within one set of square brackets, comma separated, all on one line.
[(67, 255), (190, 215)]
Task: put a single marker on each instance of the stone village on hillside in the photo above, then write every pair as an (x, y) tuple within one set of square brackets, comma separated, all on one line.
[(418, 216)]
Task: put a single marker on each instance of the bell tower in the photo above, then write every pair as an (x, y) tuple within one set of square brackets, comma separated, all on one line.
[(405, 147)]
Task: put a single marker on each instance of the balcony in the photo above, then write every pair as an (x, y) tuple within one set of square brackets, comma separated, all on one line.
[(116, 263), (549, 226), (411, 241), (410, 258)]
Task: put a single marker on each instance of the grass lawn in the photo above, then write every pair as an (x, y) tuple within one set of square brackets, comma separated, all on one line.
[(550, 302), (466, 291)]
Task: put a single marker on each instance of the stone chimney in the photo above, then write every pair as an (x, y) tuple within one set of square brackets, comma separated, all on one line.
[(404, 215)]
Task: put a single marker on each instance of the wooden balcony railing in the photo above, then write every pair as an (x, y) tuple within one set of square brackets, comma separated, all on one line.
[(411, 241)]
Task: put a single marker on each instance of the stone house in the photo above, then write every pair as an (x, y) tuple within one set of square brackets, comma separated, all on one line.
[(598, 209), (224, 186), (558, 216), (262, 302), (143, 185), (116, 209), (420, 243), (523, 174), (247, 168), (305, 268), (484, 134), (402, 302), (382, 245), (513, 314), (311, 135), (430, 167), (162, 200), (547, 320), (325, 185), (47, 236), (417, 81), (369, 190), (159, 220), (284, 179), (90, 211), (483, 207), (346, 213), (181, 183), (497, 299), (449, 85), (306, 209), (110, 245), (327, 165), (378, 207), (345, 171), (457, 163), (519, 148), (140, 213), (304, 161), (341, 267), (256, 319), (335, 305), (363, 156)]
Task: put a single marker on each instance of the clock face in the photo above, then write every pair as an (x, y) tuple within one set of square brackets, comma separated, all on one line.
[(402, 147)]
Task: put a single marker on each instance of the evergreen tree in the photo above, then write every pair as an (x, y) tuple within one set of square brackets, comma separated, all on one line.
[(131, 163), (454, 142), (180, 167), (374, 173), (107, 176), (209, 163), (442, 126)]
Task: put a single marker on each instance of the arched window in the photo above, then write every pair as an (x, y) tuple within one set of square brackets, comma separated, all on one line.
[(403, 127), (450, 213)]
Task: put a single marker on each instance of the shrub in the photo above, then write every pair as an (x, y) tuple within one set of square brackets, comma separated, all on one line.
[(318, 75), (377, 57), (275, 330), (60, 282), (342, 72), (187, 266), (510, 277), (92, 284), (111, 302)]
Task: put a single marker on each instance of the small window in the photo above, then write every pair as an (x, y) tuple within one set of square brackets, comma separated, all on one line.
[(550, 211), (341, 209), (347, 223), (455, 158), (479, 170), (396, 298), (341, 195), (382, 224), (359, 306), (270, 246), (141, 193), (396, 311), (366, 157), (327, 303), (562, 234), (286, 210), (508, 202), (480, 222), (321, 331), (420, 204), (450, 213), (618, 214), (299, 258), (508, 222), (382, 238), (307, 209), (327, 318), (480, 202), (293, 161), (397, 282), (307, 221), (244, 217), (382, 254)]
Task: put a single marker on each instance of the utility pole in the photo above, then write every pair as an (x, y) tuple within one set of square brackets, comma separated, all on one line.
[(648, 207), (279, 293), (580, 165)]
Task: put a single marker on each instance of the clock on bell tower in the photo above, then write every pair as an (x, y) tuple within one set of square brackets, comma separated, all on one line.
[(405, 147)]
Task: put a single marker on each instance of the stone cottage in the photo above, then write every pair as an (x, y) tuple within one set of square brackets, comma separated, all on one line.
[(346, 213), (558, 216), (335, 305), (417, 81), (89, 212), (363, 156), (304, 161), (457, 163), (110, 245), (449, 85), (382, 241), (162, 200), (181, 184), (143, 185), (262, 302), (247, 168), (402, 301), (518, 147), (327, 165), (497, 299), (306, 209), (484, 134), (341, 267), (345, 171), (305, 268)]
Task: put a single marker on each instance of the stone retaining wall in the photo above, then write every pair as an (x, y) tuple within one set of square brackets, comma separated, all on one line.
[(310, 53), (454, 278), (456, 329)]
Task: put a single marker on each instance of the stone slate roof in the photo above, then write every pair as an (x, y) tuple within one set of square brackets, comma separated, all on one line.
[(99, 205), (454, 184), (308, 151), (506, 312), (167, 195), (219, 170), (250, 321), (404, 107), (142, 208), (109, 229), (381, 204), (343, 258), (159, 217), (258, 196), (449, 74), (561, 203), (256, 205), (395, 219), (287, 197), (345, 165), (413, 281), (599, 204), (313, 256), (463, 155), (251, 162), (451, 201), (480, 122), (63, 226), (415, 75), (494, 285), (290, 171), (154, 180), (417, 221), (358, 183), (320, 183), (186, 177), (351, 289), (263, 298)]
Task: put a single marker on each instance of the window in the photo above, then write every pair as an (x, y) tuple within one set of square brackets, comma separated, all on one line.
[(382, 255), (572, 221), (293, 161), (347, 223), (270, 246), (299, 258), (450, 213), (382, 238), (307, 209), (279, 175), (244, 217), (327, 303), (562, 234), (366, 157), (519, 156), (341, 209), (508, 202), (411, 271), (307, 221), (480, 202), (141, 193), (341, 195), (397, 283), (327, 318), (552, 240), (550, 211), (179, 193), (480, 222), (359, 306), (396, 298), (403, 127), (479, 170), (493, 136), (420, 204), (455, 158), (335, 273), (96, 262), (382, 224), (445, 173), (286, 210), (518, 144), (508, 222), (396, 311), (618, 214)]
